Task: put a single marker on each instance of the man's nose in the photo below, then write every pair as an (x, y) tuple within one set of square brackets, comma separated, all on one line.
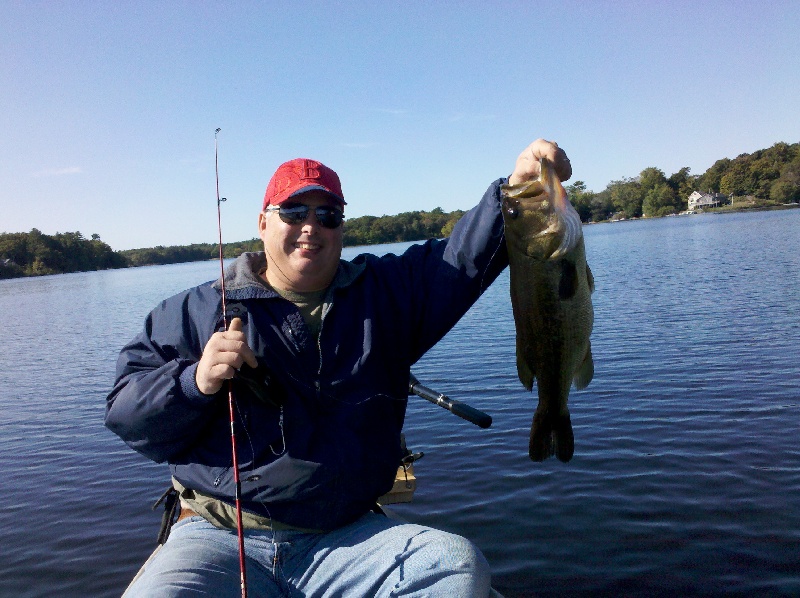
[(311, 222)]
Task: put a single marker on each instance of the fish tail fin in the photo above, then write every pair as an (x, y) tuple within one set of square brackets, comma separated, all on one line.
[(551, 435)]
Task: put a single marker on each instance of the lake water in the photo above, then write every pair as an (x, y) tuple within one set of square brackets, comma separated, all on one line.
[(686, 474)]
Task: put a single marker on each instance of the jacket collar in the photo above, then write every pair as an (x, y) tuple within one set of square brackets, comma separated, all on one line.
[(242, 279)]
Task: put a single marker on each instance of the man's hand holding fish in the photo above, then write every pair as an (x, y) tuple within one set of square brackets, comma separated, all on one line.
[(528, 163)]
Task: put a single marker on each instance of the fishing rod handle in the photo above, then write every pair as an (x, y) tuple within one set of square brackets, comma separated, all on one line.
[(462, 410), (475, 416)]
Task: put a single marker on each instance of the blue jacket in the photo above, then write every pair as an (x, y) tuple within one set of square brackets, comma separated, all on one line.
[(344, 397)]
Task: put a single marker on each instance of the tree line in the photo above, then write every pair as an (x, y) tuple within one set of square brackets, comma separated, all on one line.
[(36, 254), (408, 226), (768, 177)]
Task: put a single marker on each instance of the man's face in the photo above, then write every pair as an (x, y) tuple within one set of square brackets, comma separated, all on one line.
[(301, 257)]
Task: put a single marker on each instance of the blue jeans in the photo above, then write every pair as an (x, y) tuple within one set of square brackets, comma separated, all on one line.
[(375, 556)]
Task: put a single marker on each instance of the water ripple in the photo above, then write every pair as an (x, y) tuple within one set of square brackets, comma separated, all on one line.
[(686, 474)]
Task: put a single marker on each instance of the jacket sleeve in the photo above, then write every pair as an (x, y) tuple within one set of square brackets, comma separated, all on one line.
[(155, 405), (477, 249), (448, 276)]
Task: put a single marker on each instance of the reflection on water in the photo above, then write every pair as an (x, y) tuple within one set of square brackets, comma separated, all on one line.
[(686, 475)]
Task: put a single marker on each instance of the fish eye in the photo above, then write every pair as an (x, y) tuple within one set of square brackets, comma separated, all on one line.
[(512, 211)]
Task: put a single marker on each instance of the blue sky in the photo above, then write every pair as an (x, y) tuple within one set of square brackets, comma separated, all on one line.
[(109, 108)]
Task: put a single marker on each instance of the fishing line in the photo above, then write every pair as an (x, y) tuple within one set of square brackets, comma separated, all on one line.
[(236, 480), (258, 487)]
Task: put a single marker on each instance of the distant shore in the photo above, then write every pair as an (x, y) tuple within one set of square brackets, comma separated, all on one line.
[(70, 252), (722, 210)]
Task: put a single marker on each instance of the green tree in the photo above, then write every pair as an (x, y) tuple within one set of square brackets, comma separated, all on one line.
[(784, 192), (602, 206), (683, 184), (661, 200), (710, 180), (764, 170), (650, 178), (452, 218), (45, 255), (581, 199), (627, 197), (787, 187), (737, 179)]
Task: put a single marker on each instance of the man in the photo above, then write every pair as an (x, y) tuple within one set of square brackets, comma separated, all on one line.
[(319, 351)]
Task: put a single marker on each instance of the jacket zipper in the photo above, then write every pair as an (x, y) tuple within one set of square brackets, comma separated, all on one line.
[(318, 380)]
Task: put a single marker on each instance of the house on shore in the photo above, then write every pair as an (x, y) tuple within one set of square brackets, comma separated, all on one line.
[(699, 201)]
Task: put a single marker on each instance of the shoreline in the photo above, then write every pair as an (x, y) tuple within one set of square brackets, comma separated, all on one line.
[(714, 211)]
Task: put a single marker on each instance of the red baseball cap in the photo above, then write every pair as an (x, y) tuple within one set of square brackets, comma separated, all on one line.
[(301, 175)]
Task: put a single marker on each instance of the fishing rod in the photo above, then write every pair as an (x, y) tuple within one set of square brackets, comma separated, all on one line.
[(462, 410), (236, 481)]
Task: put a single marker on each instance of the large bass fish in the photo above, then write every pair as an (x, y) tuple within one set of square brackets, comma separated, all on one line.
[(551, 287)]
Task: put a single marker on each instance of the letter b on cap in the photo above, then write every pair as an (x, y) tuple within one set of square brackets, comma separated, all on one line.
[(310, 170)]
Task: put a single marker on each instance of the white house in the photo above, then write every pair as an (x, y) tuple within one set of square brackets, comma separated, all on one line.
[(698, 201)]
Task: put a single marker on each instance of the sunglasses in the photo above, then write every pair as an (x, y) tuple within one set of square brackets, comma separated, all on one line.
[(327, 216)]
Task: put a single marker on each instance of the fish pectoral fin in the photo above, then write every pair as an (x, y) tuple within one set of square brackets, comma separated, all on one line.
[(526, 375), (585, 372), (568, 281), (569, 227), (551, 435), (590, 278), (524, 363)]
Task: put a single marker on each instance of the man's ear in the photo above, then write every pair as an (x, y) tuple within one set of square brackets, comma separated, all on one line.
[(262, 223)]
